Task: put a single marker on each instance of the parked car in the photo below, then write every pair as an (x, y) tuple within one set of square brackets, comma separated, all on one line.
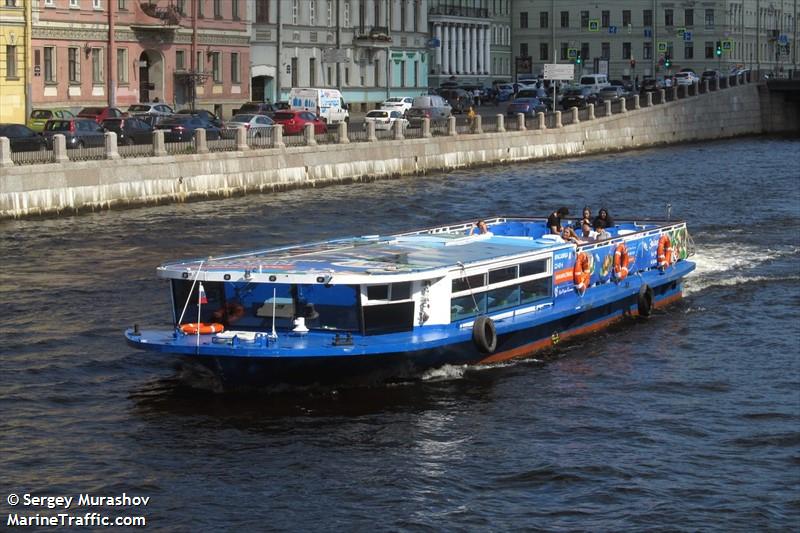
[(398, 103), (182, 127), (255, 108), (257, 126), (79, 132), (129, 130), (99, 114), (155, 109), (431, 106), (649, 85), (686, 78), (578, 97), (282, 105), (527, 105), (459, 99), (542, 94), (206, 115), (627, 86), (710, 75), (505, 92), (595, 82), (22, 138), (610, 93), (687, 69), (384, 119), (40, 116), (295, 120)]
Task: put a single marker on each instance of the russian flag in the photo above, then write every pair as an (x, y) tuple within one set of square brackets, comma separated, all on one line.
[(202, 295)]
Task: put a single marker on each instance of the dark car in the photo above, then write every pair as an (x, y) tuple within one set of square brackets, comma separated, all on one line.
[(650, 85), (283, 104), (610, 93), (459, 99), (99, 114), (578, 97), (181, 128), (544, 96), (527, 105), (79, 132), (206, 115), (22, 138), (295, 120), (255, 108), (130, 130), (710, 75)]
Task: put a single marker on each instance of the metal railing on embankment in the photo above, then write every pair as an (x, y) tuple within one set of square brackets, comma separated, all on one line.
[(274, 137)]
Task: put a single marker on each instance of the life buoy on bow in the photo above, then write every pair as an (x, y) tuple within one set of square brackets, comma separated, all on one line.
[(581, 272), (621, 262), (664, 251), (204, 328), (484, 334)]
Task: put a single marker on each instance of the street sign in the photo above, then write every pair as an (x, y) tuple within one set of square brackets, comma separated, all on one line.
[(334, 55), (687, 36), (612, 29), (572, 53), (559, 71), (783, 39), (37, 70), (434, 43), (662, 46), (727, 45), (594, 25), (680, 32)]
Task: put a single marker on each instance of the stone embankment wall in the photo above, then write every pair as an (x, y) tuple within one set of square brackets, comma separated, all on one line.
[(75, 186)]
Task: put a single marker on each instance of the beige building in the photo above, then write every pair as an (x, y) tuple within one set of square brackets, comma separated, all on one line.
[(640, 38)]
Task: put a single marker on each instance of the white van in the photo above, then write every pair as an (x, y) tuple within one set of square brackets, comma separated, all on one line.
[(595, 82), (328, 104)]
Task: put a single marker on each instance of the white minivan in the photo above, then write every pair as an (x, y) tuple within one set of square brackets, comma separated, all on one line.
[(595, 82), (328, 104)]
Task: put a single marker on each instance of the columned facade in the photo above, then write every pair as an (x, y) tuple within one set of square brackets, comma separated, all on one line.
[(464, 50)]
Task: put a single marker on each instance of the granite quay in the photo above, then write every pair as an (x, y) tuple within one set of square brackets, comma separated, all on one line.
[(65, 181)]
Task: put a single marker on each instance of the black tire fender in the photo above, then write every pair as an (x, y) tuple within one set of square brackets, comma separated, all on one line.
[(484, 334), (644, 301)]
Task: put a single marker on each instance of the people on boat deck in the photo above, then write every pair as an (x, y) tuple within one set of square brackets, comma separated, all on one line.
[(603, 219), (554, 220), (481, 228), (569, 236), (602, 234), (586, 217), (588, 234)]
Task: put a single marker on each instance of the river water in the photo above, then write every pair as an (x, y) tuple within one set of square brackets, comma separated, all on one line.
[(688, 420)]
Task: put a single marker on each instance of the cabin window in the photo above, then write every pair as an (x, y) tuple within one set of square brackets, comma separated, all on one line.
[(378, 292), (467, 306), (469, 282), (503, 298), (502, 274), (536, 289), (393, 292), (533, 267), (215, 296), (388, 318), (401, 291)]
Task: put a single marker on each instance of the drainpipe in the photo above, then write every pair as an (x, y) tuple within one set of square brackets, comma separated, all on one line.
[(112, 75), (194, 79), (758, 37), (278, 51), (555, 52), (28, 60), (654, 39), (338, 47), (794, 42)]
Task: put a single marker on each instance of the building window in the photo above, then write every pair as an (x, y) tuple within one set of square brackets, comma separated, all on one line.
[(49, 3), (312, 13), (235, 10), (626, 50), (295, 77), (402, 17), (217, 9), (97, 4), (668, 18), (544, 53), (647, 16), (216, 67), (347, 14), (262, 11), (97, 66), (180, 60), (709, 18), (565, 19), (626, 17), (523, 19), (584, 20), (312, 71), (709, 50), (74, 64), (523, 49), (647, 51), (11, 3), (544, 19), (122, 5), (605, 19), (605, 50), (74, 4), (688, 50), (688, 17), (49, 64), (295, 12), (11, 60), (330, 76), (181, 7), (122, 66), (564, 51), (415, 26), (199, 67), (584, 51), (235, 77), (201, 8), (376, 75)]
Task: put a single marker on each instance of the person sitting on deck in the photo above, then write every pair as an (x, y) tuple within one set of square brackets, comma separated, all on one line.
[(602, 232), (602, 220), (554, 220), (481, 227), (589, 235), (569, 236), (586, 217)]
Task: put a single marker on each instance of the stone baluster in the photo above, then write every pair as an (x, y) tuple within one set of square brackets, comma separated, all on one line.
[(200, 143), (241, 139), (5, 153), (451, 126), (308, 134), (649, 100), (371, 137), (477, 124), (662, 96), (277, 136), (636, 104), (426, 128), (501, 124), (558, 120), (575, 116), (159, 148), (542, 121), (111, 145), (342, 133), (520, 122), (60, 148), (591, 111), (398, 130), (623, 105)]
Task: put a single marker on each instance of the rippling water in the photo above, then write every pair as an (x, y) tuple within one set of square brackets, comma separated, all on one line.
[(689, 420)]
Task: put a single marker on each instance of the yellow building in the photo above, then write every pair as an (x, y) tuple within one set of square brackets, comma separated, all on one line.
[(14, 50)]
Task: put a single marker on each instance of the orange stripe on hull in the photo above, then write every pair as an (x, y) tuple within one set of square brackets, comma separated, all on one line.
[(533, 347)]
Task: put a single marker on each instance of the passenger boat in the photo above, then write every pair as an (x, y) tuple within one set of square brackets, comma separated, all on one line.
[(378, 308)]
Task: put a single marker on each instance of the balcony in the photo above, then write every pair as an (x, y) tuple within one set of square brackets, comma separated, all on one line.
[(155, 15), (456, 11), (374, 37)]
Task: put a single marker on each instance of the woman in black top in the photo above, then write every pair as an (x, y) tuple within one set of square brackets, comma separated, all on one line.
[(602, 220), (586, 217)]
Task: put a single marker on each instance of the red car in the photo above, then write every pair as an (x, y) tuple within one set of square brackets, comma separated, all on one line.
[(294, 121), (99, 114)]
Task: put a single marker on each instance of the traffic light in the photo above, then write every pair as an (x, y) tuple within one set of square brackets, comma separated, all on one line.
[(667, 61), (578, 59), (719, 49)]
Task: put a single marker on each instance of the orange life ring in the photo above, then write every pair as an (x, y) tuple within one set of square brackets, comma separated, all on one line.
[(621, 261), (204, 328), (581, 272), (664, 251)]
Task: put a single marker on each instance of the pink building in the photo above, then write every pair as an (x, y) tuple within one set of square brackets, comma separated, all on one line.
[(120, 52)]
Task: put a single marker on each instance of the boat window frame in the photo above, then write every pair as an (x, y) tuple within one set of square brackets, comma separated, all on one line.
[(486, 268), (390, 296)]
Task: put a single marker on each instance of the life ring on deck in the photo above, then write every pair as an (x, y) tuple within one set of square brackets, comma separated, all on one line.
[(484, 334), (204, 328), (664, 251), (621, 262), (581, 272), (644, 302)]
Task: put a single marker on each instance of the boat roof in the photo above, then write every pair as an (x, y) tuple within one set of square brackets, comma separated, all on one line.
[(432, 251)]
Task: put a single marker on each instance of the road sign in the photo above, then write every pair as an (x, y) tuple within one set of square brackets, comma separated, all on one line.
[(612, 29), (572, 53), (680, 32), (662, 46), (783, 39), (727, 45), (559, 71), (334, 55), (594, 25), (434, 43)]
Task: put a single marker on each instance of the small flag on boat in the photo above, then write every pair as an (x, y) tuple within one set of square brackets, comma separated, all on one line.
[(202, 295)]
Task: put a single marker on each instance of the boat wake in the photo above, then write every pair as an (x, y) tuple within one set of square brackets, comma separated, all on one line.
[(720, 266)]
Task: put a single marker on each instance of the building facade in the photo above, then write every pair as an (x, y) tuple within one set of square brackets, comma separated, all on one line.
[(14, 51), (368, 49), (120, 52), (643, 38)]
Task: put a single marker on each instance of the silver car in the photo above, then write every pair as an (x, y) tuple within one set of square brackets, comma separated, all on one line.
[(430, 106), (152, 113), (257, 126)]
